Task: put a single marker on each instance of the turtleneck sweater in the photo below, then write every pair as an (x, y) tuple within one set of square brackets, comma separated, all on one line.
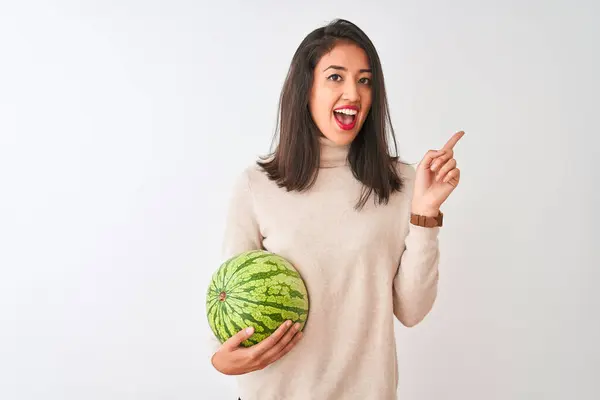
[(362, 269)]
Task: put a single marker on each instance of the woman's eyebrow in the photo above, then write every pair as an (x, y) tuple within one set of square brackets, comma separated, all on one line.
[(345, 69)]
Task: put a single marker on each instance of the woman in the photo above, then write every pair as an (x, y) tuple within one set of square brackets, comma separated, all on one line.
[(360, 226)]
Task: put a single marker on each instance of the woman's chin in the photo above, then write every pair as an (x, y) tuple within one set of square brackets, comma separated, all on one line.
[(340, 137)]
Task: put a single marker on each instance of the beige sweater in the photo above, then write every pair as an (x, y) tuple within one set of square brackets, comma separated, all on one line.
[(360, 267)]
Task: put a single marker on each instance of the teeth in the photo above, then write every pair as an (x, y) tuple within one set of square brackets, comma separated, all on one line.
[(346, 111)]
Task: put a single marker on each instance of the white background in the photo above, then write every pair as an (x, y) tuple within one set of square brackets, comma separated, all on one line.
[(123, 125)]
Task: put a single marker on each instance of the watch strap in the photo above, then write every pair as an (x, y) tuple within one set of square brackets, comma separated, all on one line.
[(426, 221)]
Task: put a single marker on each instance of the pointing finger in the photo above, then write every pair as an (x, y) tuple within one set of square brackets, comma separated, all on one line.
[(429, 157), (453, 140)]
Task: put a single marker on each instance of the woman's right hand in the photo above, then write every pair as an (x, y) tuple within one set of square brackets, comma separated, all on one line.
[(234, 359)]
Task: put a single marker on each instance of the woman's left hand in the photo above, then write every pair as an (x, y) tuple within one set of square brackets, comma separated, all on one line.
[(437, 176)]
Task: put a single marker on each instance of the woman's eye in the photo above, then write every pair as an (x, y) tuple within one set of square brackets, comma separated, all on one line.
[(365, 81), (335, 77)]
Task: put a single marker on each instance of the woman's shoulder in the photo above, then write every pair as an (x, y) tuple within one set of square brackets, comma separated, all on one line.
[(405, 170), (252, 175)]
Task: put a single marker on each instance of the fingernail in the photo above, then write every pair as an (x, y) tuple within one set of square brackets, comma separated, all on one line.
[(297, 326), (249, 330), (288, 323)]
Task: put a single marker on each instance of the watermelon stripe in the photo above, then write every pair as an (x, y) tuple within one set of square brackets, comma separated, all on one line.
[(213, 288), (275, 279), (222, 279), (260, 326), (281, 289), (211, 307), (236, 313), (224, 323), (243, 265), (224, 332), (223, 272), (265, 275), (218, 276), (281, 306), (246, 317), (216, 323), (230, 329), (237, 322)]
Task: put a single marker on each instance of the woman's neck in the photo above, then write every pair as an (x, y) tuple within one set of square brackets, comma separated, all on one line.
[(333, 154)]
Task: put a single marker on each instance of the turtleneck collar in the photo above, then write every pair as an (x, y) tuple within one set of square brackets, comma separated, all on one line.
[(333, 154)]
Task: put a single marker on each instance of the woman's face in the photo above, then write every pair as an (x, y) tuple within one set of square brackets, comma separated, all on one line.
[(340, 97)]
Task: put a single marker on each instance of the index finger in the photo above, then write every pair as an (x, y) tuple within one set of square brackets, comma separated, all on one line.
[(272, 339), (453, 140)]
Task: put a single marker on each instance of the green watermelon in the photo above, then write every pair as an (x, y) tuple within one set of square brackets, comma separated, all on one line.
[(255, 288)]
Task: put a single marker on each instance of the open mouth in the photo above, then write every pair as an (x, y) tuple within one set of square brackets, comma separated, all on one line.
[(346, 117)]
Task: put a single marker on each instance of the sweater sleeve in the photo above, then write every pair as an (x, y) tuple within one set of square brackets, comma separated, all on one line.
[(416, 281), (242, 231)]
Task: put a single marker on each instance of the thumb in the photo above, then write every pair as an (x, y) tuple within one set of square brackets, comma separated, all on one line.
[(233, 342)]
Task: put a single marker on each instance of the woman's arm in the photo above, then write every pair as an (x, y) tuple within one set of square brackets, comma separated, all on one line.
[(242, 232), (416, 282)]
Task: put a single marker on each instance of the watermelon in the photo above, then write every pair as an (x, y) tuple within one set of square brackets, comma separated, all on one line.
[(255, 288)]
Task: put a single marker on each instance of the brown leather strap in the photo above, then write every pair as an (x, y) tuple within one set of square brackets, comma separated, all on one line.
[(427, 222)]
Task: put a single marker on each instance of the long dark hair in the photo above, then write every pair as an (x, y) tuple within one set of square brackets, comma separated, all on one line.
[(295, 162)]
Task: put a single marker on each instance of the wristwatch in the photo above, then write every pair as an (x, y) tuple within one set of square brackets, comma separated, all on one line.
[(427, 222)]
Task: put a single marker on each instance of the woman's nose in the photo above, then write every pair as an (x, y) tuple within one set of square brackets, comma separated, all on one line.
[(351, 92)]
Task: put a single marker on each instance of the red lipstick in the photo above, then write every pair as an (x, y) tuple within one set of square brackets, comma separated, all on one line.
[(344, 121)]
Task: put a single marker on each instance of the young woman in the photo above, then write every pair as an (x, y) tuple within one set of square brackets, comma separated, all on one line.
[(360, 226)]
